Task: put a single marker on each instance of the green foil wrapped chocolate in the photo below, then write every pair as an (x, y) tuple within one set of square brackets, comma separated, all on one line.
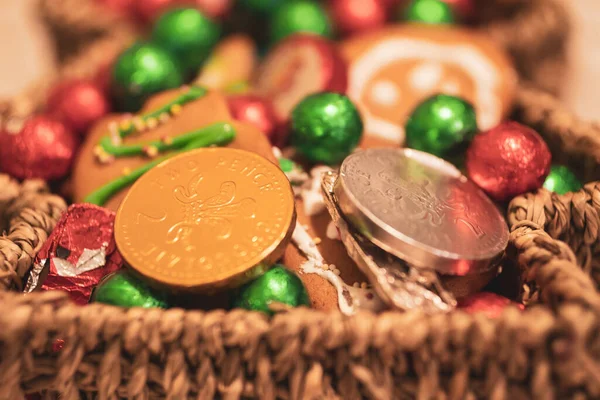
[(265, 7), (188, 35), (433, 12), (441, 125), (326, 127), (141, 71), (562, 180), (126, 290), (278, 286), (299, 16)]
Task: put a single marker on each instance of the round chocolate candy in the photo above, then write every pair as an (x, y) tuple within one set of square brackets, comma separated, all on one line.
[(326, 127), (508, 160), (441, 125), (562, 180), (188, 34), (434, 12), (278, 287), (206, 219), (299, 16), (141, 71), (421, 209), (126, 290)]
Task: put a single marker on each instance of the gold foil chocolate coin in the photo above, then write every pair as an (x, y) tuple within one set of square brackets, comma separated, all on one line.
[(206, 219)]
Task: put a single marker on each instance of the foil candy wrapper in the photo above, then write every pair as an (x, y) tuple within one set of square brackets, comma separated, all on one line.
[(78, 254)]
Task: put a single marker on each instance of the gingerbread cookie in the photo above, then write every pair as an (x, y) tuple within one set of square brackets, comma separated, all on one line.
[(170, 122), (332, 279), (232, 63), (391, 70)]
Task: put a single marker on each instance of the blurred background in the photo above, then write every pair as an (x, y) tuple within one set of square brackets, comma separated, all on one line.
[(26, 57)]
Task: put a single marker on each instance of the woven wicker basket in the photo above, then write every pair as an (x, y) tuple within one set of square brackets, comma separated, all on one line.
[(552, 350)]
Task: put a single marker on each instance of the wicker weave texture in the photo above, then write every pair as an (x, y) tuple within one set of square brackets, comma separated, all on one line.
[(552, 350)]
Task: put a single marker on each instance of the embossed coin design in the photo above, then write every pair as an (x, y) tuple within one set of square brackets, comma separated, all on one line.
[(421, 209), (207, 219)]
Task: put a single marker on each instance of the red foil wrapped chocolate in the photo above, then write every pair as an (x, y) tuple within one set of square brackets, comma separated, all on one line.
[(490, 304), (80, 251), (41, 147), (214, 8), (508, 160), (256, 111), (353, 16), (78, 104), (148, 10)]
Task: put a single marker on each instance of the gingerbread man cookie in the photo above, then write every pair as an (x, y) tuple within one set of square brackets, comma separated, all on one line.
[(391, 70), (121, 147)]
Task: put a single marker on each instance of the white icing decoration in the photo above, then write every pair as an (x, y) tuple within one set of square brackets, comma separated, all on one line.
[(385, 93), (451, 88), (114, 134), (88, 261), (332, 231), (311, 192), (350, 298), (306, 245), (426, 76), (468, 58)]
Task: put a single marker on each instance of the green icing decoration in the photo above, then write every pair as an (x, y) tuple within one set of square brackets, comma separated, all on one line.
[(161, 146), (192, 94), (211, 136)]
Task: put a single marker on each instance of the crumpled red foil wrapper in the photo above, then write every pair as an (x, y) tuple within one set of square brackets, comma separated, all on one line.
[(80, 251)]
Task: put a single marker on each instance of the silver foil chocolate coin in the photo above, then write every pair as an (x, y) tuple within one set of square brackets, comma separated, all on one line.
[(421, 209)]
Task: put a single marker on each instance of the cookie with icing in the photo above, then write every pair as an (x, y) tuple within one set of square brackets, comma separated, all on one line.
[(391, 70), (332, 279), (166, 120), (232, 63)]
